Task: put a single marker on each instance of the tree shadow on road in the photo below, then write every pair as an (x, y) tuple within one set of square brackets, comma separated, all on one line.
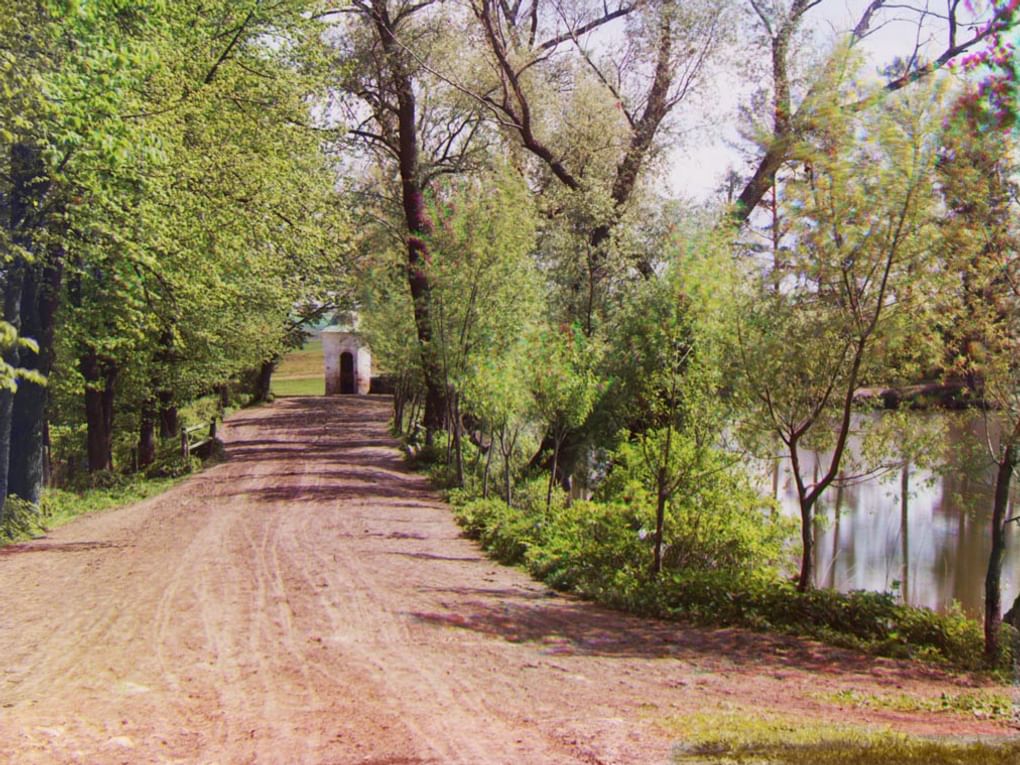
[(568, 626)]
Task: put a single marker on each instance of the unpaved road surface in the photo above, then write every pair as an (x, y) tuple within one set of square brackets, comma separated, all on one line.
[(310, 601)]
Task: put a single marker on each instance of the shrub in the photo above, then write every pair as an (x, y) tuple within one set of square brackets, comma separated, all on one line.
[(597, 550), (714, 521), (583, 544)]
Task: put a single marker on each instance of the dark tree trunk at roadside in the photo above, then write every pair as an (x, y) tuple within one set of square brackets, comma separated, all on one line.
[(169, 422), (263, 381), (27, 190), (147, 435), (12, 315), (100, 377), (993, 577), (39, 301), (412, 193)]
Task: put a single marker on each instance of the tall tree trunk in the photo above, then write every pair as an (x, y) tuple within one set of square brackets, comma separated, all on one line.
[(458, 433), (552, 473), (807, 539), (100, 377), (39, 300), (147, 434), (660, 523), (12, 315), (264, 381), (29, 186), (993, 578), (488, 465), (169, 422), (416, 216)]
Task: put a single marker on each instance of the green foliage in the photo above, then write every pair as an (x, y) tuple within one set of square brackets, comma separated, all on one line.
[(980, 704), (9, 375), (715, 520), (582, 545), (19, 519), (598, 549)]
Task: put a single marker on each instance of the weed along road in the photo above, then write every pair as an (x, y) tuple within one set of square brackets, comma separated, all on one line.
[(310, 601)]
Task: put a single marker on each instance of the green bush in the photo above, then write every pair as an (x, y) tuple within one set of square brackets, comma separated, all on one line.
[(505, 532), (713, 521), (598, 550), (583, 544)]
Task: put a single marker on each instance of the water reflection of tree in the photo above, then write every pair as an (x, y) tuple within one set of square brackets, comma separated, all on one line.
[(941, 557)]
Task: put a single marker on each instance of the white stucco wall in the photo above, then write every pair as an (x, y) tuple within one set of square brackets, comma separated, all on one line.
[(336, 342)]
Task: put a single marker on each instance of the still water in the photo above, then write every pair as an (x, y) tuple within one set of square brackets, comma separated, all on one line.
[(928, 544)]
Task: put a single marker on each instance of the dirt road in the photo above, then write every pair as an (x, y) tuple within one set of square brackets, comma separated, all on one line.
[(309, 601)]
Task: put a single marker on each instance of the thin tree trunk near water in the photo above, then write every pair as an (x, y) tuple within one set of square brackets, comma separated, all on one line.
[(660, 522), (807, 545), (993, 577), (904, 532)]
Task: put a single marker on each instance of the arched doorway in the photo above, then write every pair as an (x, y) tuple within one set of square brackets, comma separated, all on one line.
[(347, 382)]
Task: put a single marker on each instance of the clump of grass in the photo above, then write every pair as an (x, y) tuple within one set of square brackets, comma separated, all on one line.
[(988, 705), (734, 737)]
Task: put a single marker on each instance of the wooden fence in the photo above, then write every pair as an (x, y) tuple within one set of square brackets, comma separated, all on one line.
[(190, 441)]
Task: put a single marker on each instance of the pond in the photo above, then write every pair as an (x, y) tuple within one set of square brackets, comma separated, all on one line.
[(928, 544)]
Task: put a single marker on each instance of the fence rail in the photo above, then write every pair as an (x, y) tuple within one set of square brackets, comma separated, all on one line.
[(188, 445)]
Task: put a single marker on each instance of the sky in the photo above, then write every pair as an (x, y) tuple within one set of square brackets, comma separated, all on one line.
[(697, 168)]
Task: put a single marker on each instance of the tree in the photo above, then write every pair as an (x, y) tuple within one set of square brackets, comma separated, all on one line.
[(590, 114), (170, 171), (782, 21), (485, 290), (563, 385), (392, 117), (666, 384), (978, 175), (851, 303)]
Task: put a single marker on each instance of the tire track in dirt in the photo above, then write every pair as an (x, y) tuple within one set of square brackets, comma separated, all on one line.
[(310, 601)]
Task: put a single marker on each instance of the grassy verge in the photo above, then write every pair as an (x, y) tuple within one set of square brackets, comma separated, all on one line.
[(59, 506), (983, 705), (766, 739)]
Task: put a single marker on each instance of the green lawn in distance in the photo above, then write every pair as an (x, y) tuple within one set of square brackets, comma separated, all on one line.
[(301, 373), (306, 362), (299, 386)]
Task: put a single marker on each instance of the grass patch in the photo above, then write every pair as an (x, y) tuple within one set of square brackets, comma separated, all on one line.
[(301, 372), (765, 739), (306, 362), (59, 506), (299, 386), (986, 705)]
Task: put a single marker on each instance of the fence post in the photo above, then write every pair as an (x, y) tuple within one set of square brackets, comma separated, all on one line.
[(212, 429), (185, 449)]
